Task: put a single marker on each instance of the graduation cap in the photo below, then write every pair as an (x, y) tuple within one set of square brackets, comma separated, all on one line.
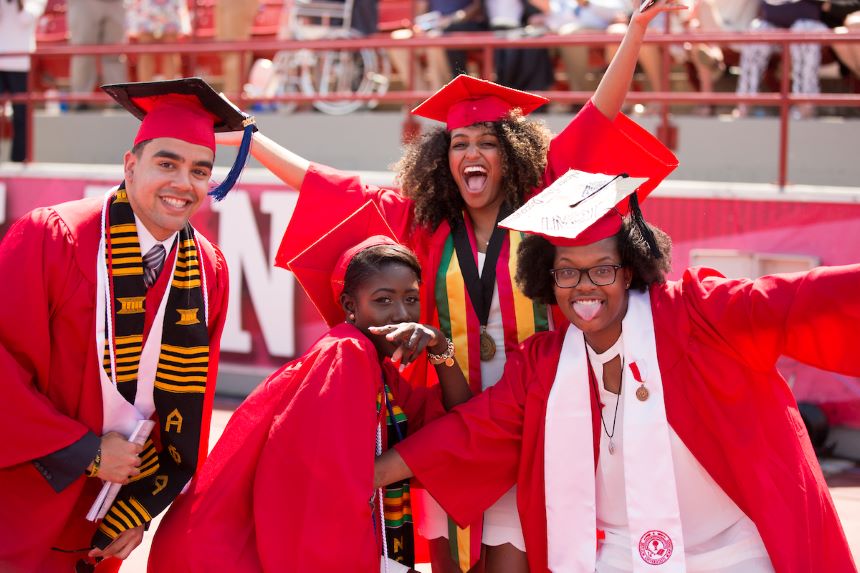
[(187, 109), (581, 208), (466, 101), (321, 268)]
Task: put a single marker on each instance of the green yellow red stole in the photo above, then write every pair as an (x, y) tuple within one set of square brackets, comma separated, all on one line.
[(521, 317), (183, 365), (397, 499)]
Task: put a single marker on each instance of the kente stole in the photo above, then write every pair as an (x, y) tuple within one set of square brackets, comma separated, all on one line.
[(183, 364), (397, 500), (521, 317)]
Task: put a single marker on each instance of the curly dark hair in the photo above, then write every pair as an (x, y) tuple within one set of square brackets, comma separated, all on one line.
[(536, 254), (371, 260), (425, 174)]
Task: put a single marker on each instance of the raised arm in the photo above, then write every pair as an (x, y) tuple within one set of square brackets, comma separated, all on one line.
[(286, 165), (810, 316), (612, 90)]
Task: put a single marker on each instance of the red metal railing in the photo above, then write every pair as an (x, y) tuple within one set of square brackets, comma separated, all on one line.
[(487, 43)]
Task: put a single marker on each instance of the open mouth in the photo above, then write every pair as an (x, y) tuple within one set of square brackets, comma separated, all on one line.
[(475, 177), (587, 309)]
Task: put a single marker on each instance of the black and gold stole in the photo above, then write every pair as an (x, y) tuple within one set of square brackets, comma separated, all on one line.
[(180, 380), (397, 497)]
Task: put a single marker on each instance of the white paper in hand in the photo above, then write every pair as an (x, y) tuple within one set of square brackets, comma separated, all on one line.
[(110, 490)]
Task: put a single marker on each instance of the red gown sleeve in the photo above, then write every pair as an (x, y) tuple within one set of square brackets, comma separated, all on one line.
[(811, 317), (326, 198), (592, 142), (314, 478), (468, 458), (219, 294), (37, 263)]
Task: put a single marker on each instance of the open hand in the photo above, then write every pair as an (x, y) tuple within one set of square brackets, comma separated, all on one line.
[(411, 338), (649, 9)]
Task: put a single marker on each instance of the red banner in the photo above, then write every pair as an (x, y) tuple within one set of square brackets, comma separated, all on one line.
[(270, 320)]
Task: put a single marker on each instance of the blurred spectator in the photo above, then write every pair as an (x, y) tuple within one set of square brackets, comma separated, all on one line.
[(797, 15), (710, 61), (578, 17), (438, 17), (234, 21), (844, 16), (96, 22), (154, 21), (18, 34), (523, 69)]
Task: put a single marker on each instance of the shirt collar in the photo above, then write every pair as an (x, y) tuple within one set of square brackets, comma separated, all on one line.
[(147, 241)]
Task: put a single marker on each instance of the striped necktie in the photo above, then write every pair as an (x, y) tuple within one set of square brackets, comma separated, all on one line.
[(152, 263)]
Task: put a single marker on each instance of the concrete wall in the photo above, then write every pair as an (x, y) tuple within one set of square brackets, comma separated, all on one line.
[(821, 152)]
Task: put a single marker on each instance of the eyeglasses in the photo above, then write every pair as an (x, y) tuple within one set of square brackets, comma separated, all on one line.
[(601, 275)]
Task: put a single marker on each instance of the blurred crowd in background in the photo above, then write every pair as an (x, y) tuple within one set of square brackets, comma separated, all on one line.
[(28, 24)]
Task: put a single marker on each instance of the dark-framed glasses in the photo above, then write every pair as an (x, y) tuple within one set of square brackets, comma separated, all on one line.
[(600, 275)]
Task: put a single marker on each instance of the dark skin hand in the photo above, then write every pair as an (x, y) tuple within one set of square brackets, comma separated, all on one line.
[(411, 339)]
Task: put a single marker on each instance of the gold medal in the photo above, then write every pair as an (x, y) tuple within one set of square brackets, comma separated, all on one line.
[(642, 393), (488, 345)]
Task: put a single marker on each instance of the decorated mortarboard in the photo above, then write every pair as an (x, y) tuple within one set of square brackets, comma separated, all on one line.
[(581, 208), (187, 109), (321, 268), (466, 101)]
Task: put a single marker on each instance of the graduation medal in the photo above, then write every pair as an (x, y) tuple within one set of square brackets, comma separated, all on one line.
[(488, 345), (642, 392), (480, 287)]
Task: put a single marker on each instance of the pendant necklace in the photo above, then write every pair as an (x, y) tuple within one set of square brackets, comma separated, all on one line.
[(609, 434), (604, 358)]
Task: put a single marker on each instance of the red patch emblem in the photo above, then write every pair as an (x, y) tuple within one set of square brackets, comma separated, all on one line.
[(655, 547)]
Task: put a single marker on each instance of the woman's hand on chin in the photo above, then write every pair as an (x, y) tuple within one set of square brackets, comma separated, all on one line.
[(410, 339)]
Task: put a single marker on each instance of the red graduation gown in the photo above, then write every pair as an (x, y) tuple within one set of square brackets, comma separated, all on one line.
[(49, 377), (590, 142), (717, 342), (288, 485)]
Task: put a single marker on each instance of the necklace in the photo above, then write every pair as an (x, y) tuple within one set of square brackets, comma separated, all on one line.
[(604, 358), (609, 434)]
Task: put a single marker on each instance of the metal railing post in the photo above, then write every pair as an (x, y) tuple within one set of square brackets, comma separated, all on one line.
[(782, 180)]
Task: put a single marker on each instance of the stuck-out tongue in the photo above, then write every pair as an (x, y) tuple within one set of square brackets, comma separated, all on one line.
[(476, 182), (586, 310)]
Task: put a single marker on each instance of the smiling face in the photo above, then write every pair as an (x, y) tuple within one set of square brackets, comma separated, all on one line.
[(596, 310), (475, 158), (387, 296), (167, 182)]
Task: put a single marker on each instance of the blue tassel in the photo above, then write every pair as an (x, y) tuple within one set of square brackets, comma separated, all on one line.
[(219, 192)]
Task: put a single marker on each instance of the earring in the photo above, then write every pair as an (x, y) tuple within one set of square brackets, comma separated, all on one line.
[(351, 317)]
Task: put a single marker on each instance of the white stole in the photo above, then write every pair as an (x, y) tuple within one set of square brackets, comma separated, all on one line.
[(118, 414), (653, 515)]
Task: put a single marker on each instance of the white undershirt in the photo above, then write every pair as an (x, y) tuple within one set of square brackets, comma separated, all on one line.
[(718, 536), (147, 241)]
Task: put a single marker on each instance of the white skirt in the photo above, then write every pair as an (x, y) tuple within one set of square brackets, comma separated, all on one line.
[(501, 521)]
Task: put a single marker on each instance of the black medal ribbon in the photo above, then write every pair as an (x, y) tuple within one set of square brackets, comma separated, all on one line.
[(480, 287)]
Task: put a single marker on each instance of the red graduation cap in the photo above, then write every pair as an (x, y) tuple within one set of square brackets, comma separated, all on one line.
[(579, 208), (466, 100), (321, 268), (187, 109)]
